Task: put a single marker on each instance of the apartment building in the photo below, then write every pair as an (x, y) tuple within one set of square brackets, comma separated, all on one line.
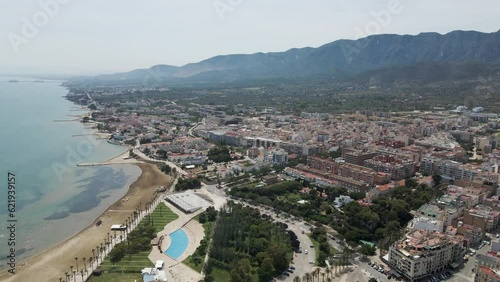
[(430, 165), (276, 157), (357, 157), (322, 164), (424, 253), (487, 268), (452, 170), (359, 173), (397, 168), (483, 217)]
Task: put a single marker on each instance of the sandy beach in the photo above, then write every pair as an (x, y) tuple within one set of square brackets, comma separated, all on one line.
[(54, 262)]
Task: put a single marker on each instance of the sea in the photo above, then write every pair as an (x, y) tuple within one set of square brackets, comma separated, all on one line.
[(42, 142)]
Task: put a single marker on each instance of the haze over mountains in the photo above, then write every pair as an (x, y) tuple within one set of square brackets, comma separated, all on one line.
[(458, 53)]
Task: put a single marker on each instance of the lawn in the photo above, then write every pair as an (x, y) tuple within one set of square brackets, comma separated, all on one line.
[(161, 216), (117, 277), (316, 246), (293, 198)]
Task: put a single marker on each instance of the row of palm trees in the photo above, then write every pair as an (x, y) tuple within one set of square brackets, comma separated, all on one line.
[(100, 251), (329, 272)]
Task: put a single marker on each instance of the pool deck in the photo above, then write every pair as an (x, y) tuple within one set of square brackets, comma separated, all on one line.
[(174, 268)]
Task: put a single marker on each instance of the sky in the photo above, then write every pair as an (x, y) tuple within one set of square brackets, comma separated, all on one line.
[(106, 36)]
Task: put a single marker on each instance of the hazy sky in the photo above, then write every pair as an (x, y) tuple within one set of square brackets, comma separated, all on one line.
[(100, 36)]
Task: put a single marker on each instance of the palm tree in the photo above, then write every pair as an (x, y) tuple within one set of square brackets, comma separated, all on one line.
[(84, 265), (307, 277), (91, 262), (66, 275), (81, 272), (76, 262), (60, 279), (316, 271), (97, 250), (93, 252), (322, 276), (71, 267), (296, 279), (328, 272)]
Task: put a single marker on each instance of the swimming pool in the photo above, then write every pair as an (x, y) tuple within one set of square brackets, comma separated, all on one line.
[(178, 244)]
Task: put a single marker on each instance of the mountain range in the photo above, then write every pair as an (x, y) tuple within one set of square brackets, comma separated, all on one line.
[(341, 59)]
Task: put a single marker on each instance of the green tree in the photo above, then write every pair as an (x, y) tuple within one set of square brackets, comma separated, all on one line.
[(367, 250), (437, 179), (235, 276), (117, 253), (266, 270)]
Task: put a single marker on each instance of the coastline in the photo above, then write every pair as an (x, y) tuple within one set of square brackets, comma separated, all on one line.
[(53, 262)]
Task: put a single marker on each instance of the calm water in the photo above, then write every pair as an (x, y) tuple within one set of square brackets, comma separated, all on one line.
[(178, 244), (54, 198)]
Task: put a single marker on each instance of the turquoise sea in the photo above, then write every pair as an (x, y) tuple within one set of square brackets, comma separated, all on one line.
[(55, 199)]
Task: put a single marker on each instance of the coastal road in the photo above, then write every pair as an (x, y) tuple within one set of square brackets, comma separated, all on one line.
[(171, 164)]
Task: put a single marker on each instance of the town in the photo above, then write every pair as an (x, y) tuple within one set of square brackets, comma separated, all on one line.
[(409, 195)]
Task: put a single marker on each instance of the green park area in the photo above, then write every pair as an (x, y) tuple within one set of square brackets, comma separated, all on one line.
[(131, 256)]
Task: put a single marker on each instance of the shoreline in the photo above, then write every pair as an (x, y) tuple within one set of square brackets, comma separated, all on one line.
[(54, 261)]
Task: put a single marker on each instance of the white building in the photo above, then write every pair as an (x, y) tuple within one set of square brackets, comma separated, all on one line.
[(276, 157), (424, 253)]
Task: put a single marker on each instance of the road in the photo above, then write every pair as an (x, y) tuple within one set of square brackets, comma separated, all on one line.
[(363, 272), (169, 163), (190, 131)]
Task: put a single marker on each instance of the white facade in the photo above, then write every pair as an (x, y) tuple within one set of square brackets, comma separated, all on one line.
[(430, 254)]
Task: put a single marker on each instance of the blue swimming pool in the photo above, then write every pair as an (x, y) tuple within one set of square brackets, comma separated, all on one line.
[(178, 244)]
